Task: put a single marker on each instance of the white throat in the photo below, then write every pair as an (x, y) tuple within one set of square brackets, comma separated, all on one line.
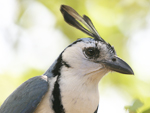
[(80, 91)]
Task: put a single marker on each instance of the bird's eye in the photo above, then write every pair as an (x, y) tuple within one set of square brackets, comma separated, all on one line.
[(91, 52)]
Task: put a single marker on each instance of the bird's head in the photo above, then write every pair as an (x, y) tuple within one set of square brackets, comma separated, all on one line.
[(90, 55)]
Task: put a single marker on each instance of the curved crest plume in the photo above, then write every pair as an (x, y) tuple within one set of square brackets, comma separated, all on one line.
[(71, 17)]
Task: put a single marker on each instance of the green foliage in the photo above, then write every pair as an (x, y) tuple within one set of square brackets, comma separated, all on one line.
[(146, 111), (136, 105)]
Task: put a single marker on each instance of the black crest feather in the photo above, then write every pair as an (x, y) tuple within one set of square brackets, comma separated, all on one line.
[(71, 17)]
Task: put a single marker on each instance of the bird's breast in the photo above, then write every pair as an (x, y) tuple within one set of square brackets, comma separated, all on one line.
[(78, 96), (80, 103)]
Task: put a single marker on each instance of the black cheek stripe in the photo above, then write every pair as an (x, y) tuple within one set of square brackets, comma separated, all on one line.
[(56, 93), (57, 104)]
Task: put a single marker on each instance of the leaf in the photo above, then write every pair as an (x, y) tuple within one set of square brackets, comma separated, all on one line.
[(147, 111), (137, 104)]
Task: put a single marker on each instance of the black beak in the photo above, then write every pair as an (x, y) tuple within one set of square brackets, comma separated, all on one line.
[(118, 65)]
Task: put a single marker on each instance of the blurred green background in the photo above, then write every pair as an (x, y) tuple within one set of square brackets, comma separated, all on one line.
[(33, 33)]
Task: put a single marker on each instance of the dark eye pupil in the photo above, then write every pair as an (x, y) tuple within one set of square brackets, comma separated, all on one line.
[(90, 52)]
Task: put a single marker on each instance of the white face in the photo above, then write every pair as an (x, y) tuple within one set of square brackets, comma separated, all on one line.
[(85, 56)]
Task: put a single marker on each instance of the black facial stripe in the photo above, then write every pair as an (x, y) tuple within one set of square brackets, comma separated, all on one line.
[(56, 101), (56, 93), (66, 64), (58, 65)]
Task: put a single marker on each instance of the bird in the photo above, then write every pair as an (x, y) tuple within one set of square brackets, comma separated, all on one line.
[(70, 85)]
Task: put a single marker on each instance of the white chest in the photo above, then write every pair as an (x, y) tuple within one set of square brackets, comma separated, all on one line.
[(78, 97), (80, 102)]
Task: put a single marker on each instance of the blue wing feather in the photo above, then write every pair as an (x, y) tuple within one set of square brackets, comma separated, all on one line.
[(26, 97)]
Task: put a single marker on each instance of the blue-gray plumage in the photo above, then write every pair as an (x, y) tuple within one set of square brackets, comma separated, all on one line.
[(26, 97), (70, 85)]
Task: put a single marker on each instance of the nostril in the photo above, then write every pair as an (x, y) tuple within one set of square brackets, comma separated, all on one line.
[(113, 59)]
